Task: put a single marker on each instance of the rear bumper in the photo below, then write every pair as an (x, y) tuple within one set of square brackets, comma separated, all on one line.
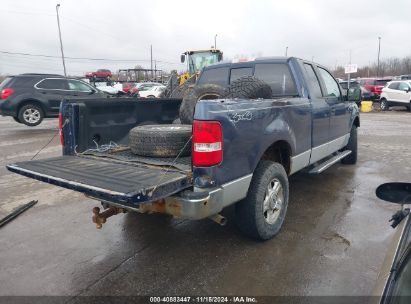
[(196, 205), (6, 109)]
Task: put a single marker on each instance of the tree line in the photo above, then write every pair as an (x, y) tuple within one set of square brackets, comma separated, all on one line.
[(388, 67)]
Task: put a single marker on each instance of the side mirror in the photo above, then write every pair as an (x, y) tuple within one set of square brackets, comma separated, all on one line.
[(407, 90), (220, 56), (354, 95), (183, 58), (398, 193)]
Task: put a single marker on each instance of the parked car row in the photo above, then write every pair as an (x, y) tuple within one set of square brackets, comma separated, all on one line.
[(150, 89), (374, 85), (370, 87), (389, 91)]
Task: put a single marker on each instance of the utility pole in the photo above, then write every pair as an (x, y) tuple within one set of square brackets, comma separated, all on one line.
[(215, 41), (378, 60), (368, 69), (286, 51), (61, 42), (151, 60), (348, 85)]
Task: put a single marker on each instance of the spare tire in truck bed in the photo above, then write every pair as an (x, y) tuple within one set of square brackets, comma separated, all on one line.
[(202, 91), (249, 87), (161, 140)]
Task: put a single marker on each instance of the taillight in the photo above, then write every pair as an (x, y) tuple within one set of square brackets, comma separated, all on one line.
[(207, 143), (61, 129), (6, 93)]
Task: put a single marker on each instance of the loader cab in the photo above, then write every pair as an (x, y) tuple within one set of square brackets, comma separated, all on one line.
[(196, 60)]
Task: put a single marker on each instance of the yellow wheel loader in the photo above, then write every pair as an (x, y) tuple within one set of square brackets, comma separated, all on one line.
[(196, 60)]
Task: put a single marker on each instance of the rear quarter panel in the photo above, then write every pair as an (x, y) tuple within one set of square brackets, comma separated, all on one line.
[(250, 127)]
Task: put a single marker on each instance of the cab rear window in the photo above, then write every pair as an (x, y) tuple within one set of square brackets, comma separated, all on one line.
[(215, 76), (240, 72), (276, 75)]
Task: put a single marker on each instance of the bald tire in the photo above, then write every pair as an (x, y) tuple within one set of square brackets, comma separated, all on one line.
[(249, 87), (249, 212), (161, 140)]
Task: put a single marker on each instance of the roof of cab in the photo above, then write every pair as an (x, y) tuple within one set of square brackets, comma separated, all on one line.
[(276, 59)]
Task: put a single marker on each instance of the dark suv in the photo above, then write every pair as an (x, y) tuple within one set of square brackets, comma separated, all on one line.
[(29, 98)]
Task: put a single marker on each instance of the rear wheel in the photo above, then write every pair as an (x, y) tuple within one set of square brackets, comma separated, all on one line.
[(261, 214), (31, 115), (384, 105)]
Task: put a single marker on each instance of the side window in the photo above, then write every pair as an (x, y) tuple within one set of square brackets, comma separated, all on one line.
[(331, 85), (75, 85), (52, 84), (216, 76), (278, 76), (393, 86), (238, 73), (403, 86), (312, 78)]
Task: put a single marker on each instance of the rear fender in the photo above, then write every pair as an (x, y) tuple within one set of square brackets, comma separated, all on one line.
[(249, 129)]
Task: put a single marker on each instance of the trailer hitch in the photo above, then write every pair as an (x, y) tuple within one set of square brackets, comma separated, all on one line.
[(100, 218)]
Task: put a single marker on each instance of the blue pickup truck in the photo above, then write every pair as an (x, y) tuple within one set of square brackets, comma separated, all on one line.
[(243, 150)]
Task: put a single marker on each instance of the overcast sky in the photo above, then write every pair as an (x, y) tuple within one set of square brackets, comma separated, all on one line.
[(125, 29)]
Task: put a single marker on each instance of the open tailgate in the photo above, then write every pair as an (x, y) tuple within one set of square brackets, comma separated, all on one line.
[(124, 183)]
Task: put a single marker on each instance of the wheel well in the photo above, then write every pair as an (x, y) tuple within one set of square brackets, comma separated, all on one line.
[(279, 152), (30, 101), (357, 122)]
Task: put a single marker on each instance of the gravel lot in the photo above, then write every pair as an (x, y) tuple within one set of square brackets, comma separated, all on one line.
[(333, 243)]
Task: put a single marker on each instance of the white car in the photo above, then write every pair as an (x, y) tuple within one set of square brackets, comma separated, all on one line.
[(147, 84), (153, 92), (112, 90), (396, 93)]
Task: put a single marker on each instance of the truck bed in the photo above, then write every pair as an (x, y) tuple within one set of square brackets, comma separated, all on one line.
[(117, 177)]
